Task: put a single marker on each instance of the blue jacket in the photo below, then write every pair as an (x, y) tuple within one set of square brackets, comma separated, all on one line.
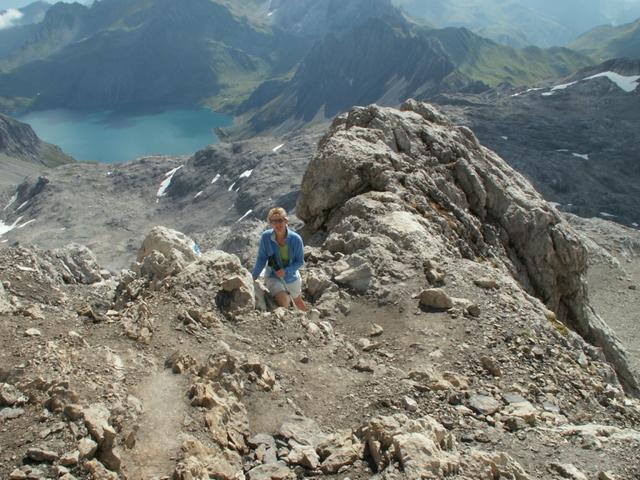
[(269, 246)]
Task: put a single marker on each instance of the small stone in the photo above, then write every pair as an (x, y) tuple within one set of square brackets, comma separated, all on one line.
[(436, 298), (365, 365), (486, 282), (633, 287), (41, 455), (70, 459), (409, 404), (17, 474), (473, 309), (606, 476), (567, 470), (32, 332), (491, 366), (484, 404), (87, 448), (376, 330)]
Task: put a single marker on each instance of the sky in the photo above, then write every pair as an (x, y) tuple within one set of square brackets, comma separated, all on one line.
[(6, 4)]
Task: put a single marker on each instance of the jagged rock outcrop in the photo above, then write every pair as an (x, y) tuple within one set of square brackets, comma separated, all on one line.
[(397, 188)]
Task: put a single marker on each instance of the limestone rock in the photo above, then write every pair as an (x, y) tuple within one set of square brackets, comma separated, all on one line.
[(567, 471), (303, 430), (272, 471), (165, 252), (80, 263), (444, 195), (99, 472), (96, 419), (484, 404), (435, 298), (42, 455), (10, 396)]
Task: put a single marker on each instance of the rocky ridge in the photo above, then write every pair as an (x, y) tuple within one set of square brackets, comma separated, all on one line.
[(426, 352), (22, 153)]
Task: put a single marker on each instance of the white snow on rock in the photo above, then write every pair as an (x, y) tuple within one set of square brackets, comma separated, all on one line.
[(13, 199), (278, 147), (245, 215), (167, 181), (526, 91), (504, 138), (626, 83), (584, 156), (4, 228), (607, 215), (21, 206), (26, 223), (558, 87), (215, 179), (245, 174), (635, 225), (197, 194)]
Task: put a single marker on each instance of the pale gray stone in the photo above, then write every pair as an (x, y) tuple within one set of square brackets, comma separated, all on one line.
[(272, 471), (484, 404), (435, 298)]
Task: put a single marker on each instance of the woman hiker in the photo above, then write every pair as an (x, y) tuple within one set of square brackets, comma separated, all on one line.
[(282, 251)]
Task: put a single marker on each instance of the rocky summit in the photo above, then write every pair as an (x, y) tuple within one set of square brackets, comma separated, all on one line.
[(449, 334)]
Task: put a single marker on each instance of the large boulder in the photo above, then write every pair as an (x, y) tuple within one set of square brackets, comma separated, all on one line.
[(400, 188), (165, 252)]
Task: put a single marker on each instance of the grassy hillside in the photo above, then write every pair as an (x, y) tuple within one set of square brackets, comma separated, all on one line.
[(606, 42)]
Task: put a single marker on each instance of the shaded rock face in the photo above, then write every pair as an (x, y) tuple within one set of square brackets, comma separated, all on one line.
[(391, 185)]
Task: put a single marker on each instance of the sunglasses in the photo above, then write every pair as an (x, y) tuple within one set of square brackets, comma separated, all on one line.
[(277, 221)]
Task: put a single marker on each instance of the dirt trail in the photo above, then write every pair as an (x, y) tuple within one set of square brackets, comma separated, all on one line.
[(158, 439)]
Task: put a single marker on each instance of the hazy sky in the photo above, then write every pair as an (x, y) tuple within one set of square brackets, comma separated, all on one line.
[(5, 4)]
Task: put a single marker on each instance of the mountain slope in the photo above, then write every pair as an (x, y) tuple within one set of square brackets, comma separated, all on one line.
[(22, 153), (606, 42), (574, 139), (518, 23), (122, 54), (430, 349), (386, 61)]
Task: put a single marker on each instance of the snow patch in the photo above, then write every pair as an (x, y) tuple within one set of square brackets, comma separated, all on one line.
[(231, 187), (4, 228), (162, 191), (635, 225), (13, 199), (626, 83), (246, 174), (197, 194), (275, 149), (504, 138), (20, 207), (584, 156), (215, 179), (607, 215), (245, 215), (26, 223), (526, 91)]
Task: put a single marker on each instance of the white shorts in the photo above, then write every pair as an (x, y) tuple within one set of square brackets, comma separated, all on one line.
[(275, 285)]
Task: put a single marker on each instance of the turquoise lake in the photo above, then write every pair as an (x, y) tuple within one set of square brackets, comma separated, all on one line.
[(112, 138)]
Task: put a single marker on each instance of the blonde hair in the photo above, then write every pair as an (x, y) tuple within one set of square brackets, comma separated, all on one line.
[(277, 211)]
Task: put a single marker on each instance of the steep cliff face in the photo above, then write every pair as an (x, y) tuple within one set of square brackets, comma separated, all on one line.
[(429, 190), (22, 153)]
